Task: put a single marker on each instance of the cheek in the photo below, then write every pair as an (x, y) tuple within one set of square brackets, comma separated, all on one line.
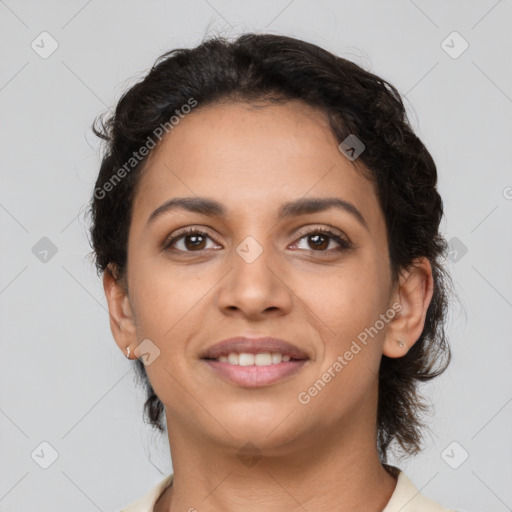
[(345, 311), (347, 301), (349, 306), (170, 311), (165, 298)]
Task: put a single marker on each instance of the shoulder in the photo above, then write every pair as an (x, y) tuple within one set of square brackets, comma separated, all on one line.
[(147, 502), (407, 498)]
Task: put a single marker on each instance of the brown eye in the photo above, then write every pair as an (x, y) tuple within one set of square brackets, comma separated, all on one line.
[(192, 240), (319, 240)]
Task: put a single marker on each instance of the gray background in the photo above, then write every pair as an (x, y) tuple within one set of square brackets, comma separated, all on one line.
[(63, 380)]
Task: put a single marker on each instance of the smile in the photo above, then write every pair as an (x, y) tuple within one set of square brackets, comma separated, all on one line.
[(248, 359), (255, 370)]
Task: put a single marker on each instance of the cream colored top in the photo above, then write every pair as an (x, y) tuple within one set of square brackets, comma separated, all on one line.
[(405, 498)]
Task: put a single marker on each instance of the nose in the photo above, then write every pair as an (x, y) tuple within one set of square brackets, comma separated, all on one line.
[(255, 289)]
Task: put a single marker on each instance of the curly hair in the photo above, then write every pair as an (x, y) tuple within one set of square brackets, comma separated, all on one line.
[(277, 68)]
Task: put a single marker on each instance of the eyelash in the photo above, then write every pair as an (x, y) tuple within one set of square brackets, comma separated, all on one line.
[(344, 243)]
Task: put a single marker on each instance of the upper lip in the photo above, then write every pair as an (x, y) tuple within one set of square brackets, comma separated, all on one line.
[(253, 346)]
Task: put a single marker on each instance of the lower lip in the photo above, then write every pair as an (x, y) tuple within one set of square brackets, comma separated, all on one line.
[(255, 376)]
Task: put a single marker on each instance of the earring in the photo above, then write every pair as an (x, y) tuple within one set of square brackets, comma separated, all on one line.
[(401, 344), (128, 352)]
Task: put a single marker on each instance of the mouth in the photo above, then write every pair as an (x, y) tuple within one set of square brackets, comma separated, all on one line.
[(249, 359), (250, 362)]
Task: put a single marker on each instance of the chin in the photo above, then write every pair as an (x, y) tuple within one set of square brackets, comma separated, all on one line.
[(269, 430)]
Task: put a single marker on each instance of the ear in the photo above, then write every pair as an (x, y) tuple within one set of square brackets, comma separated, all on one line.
[(122, 319), (414, 292)]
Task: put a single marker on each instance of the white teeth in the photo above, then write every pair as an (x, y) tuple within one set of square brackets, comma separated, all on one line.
[(261, 359), (245, 359), (276, 358)]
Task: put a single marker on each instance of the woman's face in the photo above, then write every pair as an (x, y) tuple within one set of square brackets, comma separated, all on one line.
[(253, 272)]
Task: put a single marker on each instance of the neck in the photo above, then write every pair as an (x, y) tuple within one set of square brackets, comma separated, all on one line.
[(326, 472)]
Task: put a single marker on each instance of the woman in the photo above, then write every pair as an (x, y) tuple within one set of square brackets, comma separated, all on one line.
[(267, 226)]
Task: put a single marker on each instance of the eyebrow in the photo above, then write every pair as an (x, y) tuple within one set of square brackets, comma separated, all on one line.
[(302, 206)]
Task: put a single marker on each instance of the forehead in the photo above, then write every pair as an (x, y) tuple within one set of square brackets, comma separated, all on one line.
[(252, 158)]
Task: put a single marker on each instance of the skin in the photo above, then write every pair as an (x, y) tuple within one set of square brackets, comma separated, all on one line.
[(321, 456)]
